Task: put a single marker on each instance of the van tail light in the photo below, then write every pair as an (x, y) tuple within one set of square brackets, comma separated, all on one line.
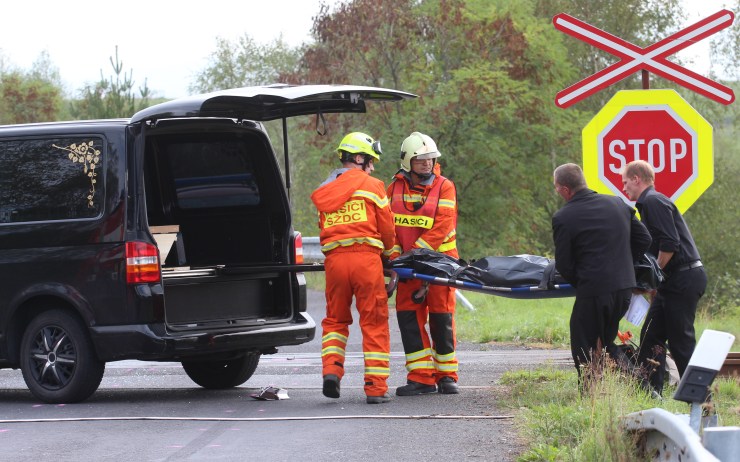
[(298, 244), (142, 263)]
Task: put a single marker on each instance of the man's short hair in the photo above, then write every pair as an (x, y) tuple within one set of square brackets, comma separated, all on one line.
[(570, 176), (640, 168)]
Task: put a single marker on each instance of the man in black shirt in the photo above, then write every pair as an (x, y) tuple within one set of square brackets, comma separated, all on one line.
[(673, 309), (596, 239)]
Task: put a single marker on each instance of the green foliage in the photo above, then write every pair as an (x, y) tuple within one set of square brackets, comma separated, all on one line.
[(245, 63), (112, 96), (30, 96), (725, 50)]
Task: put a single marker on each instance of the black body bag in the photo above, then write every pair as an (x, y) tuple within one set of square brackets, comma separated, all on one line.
[(648, 273)]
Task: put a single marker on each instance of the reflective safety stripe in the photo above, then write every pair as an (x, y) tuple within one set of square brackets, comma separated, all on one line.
[(372, 196), (447, 246), (421, 243), (332, 350), (446, 367), (412, 198), (446, 203), (334, 336), (377, 355), (381, 371), (419, 365), (352, 241), (387, 253), (410, 357), (397, 248), (444, 358)]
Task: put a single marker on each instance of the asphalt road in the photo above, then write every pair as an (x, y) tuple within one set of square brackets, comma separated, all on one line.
[(148, 411)]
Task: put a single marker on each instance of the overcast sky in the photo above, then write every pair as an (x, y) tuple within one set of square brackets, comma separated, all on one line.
[(168, 41)]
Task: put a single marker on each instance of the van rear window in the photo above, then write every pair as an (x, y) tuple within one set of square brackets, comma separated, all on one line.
[(213, 174), (51, 179)]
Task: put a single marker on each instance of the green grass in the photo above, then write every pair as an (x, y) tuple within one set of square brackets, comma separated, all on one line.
[(559, 423), (545, 322), (507, 320), (562, 425)]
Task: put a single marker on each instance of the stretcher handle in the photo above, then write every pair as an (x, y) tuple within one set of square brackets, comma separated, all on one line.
[(390, 287), (420, 295)]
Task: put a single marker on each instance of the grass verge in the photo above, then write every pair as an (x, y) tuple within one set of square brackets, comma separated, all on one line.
[(559, 423), (562, 425)]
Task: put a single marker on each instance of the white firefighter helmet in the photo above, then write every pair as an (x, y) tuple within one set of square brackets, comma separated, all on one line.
[(419, 146)]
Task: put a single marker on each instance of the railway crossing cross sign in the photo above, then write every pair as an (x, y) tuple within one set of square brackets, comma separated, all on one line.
[(634, 58), (657, 126)]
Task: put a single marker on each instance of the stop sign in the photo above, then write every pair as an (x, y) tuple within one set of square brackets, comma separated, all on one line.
[(657, 126)]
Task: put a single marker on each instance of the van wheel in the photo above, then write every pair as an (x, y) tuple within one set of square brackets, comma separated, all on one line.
[(220, 374), (58, 359)]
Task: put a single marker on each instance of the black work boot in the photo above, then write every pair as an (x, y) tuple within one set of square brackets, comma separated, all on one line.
[(331, 386), (415, 388), (448, 386), (378, 399)]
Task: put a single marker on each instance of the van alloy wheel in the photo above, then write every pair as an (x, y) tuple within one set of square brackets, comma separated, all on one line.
[(53, 358), (58, 360)]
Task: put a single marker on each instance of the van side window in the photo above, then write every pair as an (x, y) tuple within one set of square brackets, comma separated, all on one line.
[(217, 173), (51, 179)]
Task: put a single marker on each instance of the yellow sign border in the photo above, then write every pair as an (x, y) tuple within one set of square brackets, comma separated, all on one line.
[(641, 98)]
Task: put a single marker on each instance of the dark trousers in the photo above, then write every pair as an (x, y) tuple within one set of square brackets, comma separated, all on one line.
[(671, 319), (594, 323)]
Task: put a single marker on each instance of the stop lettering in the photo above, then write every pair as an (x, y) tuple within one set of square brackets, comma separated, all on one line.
[(656, 136)]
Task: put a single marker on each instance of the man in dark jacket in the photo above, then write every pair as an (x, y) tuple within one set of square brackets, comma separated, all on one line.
[(673, 309), (597, 237)]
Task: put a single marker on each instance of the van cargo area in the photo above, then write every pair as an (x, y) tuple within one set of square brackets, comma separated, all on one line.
[(216, 222)]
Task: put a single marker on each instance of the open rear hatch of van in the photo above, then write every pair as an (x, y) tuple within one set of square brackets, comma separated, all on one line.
[(217, 206)]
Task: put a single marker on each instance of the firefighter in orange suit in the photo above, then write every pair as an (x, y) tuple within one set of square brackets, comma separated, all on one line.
[(424, 207), (356, 233)]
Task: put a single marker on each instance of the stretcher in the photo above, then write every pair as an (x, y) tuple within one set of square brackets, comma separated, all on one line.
[(516, 276), (521, 292)]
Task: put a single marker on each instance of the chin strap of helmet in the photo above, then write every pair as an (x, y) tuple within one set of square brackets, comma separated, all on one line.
[(426, 176)]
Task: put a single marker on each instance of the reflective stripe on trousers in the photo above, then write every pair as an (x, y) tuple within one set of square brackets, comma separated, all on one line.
[(427, 359), (357, 274)]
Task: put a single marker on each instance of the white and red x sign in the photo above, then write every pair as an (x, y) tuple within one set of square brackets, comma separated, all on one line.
[(652, 58)]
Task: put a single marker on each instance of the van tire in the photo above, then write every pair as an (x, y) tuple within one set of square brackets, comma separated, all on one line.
[(58, 359), (218, 374)]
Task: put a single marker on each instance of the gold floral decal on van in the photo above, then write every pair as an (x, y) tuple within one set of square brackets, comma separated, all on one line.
[(89, 157)]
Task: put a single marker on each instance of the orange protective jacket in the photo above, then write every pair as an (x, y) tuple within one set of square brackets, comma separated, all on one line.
[(354, 210), (412, 214)]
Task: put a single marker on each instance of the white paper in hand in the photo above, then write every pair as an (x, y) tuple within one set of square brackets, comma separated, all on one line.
[(637, 310)]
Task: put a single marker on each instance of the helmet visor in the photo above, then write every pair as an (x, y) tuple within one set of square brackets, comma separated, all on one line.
[(376, 148), (428, 155)]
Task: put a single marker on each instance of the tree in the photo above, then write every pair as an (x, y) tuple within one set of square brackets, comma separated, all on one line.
[(246, 63), (30, 96), (485, 73), (111, 97)]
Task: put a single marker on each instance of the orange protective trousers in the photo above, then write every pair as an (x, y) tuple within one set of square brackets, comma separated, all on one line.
[(355, 271), (427, 361)]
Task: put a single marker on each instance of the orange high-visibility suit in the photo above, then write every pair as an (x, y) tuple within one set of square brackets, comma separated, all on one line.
[(426, 218), (356, 228)]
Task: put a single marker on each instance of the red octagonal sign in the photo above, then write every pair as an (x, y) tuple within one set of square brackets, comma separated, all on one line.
[(658, 136), (657, 126)]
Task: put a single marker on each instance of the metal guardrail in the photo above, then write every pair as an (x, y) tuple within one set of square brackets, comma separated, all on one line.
[(312, 253)]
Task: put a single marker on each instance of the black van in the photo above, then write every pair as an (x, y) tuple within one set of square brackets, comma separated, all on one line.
[(166, 237)]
